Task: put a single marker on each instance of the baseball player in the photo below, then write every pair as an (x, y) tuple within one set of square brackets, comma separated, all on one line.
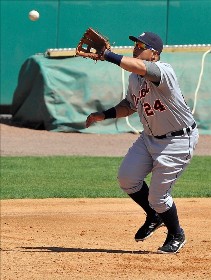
[(164, 148)]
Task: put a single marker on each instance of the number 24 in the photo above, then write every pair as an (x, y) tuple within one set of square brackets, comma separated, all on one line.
[(158, 106)]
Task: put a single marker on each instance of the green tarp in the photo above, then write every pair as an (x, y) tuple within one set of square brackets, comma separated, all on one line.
[(57, 94)]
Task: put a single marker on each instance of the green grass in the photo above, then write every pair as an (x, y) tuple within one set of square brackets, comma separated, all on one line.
[(43, 177)]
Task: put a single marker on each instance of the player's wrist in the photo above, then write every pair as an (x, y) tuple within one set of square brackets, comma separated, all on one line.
[(112, 57), (110, 113)]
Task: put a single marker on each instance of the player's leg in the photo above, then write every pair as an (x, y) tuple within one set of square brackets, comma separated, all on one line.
[(168, 166), (176, 237), (136, 165), (153, 220), (161, 200)]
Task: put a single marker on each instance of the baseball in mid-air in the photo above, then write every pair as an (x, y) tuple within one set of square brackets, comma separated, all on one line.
[(34, 15)]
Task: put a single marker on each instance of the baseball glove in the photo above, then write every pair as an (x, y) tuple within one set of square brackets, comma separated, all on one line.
[(92, 45)]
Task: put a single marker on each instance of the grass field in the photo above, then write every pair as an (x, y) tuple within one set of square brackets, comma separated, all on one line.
[(72, 177)]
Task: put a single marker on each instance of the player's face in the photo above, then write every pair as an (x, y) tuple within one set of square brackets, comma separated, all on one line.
[(144, 52)]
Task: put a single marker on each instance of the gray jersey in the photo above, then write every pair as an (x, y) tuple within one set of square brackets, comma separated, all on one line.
[(161, 108)]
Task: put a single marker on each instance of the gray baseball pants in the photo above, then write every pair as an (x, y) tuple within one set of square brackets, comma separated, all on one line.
[(165, 158)]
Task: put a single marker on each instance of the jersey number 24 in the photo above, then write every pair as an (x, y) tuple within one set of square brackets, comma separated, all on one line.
[(158, 106)]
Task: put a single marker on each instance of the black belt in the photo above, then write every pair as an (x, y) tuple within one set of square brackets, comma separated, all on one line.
[(177, 133)]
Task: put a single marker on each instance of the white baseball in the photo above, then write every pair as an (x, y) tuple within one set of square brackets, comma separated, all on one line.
[(34, 15)]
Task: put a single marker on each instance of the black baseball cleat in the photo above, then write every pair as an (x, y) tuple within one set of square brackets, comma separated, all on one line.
[(173, 243), (148, 228)]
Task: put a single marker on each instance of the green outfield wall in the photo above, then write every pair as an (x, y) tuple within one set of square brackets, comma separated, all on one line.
[(62, 23)]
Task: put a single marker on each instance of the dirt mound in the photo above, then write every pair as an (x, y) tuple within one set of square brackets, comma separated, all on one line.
[(94, 239)]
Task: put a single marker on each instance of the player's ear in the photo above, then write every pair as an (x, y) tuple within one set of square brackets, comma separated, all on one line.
[(155, 56)]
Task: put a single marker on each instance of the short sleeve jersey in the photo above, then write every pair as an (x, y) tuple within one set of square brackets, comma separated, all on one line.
[(161, 108)]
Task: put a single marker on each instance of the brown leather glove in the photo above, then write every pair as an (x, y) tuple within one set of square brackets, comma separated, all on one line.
[(92, 45)]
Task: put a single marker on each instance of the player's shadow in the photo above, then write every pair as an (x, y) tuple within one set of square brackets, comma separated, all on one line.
[(82, 250)]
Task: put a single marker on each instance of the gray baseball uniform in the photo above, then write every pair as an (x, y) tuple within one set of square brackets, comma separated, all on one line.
[(162, 110)]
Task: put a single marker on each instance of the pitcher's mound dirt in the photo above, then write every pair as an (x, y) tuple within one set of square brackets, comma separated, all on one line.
[(94, 239), (87, 239)]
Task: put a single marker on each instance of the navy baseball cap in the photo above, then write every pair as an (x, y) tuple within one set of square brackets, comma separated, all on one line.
[(150, 39)]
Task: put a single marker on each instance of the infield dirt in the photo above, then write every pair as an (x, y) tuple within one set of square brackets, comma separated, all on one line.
[(93, 238)]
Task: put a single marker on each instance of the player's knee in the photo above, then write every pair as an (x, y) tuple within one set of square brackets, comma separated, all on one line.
[(124, 176), (127, 182), (124, 182), (159, 203)]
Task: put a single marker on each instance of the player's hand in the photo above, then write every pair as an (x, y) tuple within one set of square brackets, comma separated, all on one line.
[(94, 117)]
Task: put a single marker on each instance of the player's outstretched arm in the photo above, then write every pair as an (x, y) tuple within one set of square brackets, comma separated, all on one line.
[(130, 64), (123, 109), (133, 65), (94, 117), (119, 111)]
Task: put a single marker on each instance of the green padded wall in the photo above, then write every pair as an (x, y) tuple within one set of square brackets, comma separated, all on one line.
[(62, 23), (20, 38), (59, 94), (189, 22), (116, 19)]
